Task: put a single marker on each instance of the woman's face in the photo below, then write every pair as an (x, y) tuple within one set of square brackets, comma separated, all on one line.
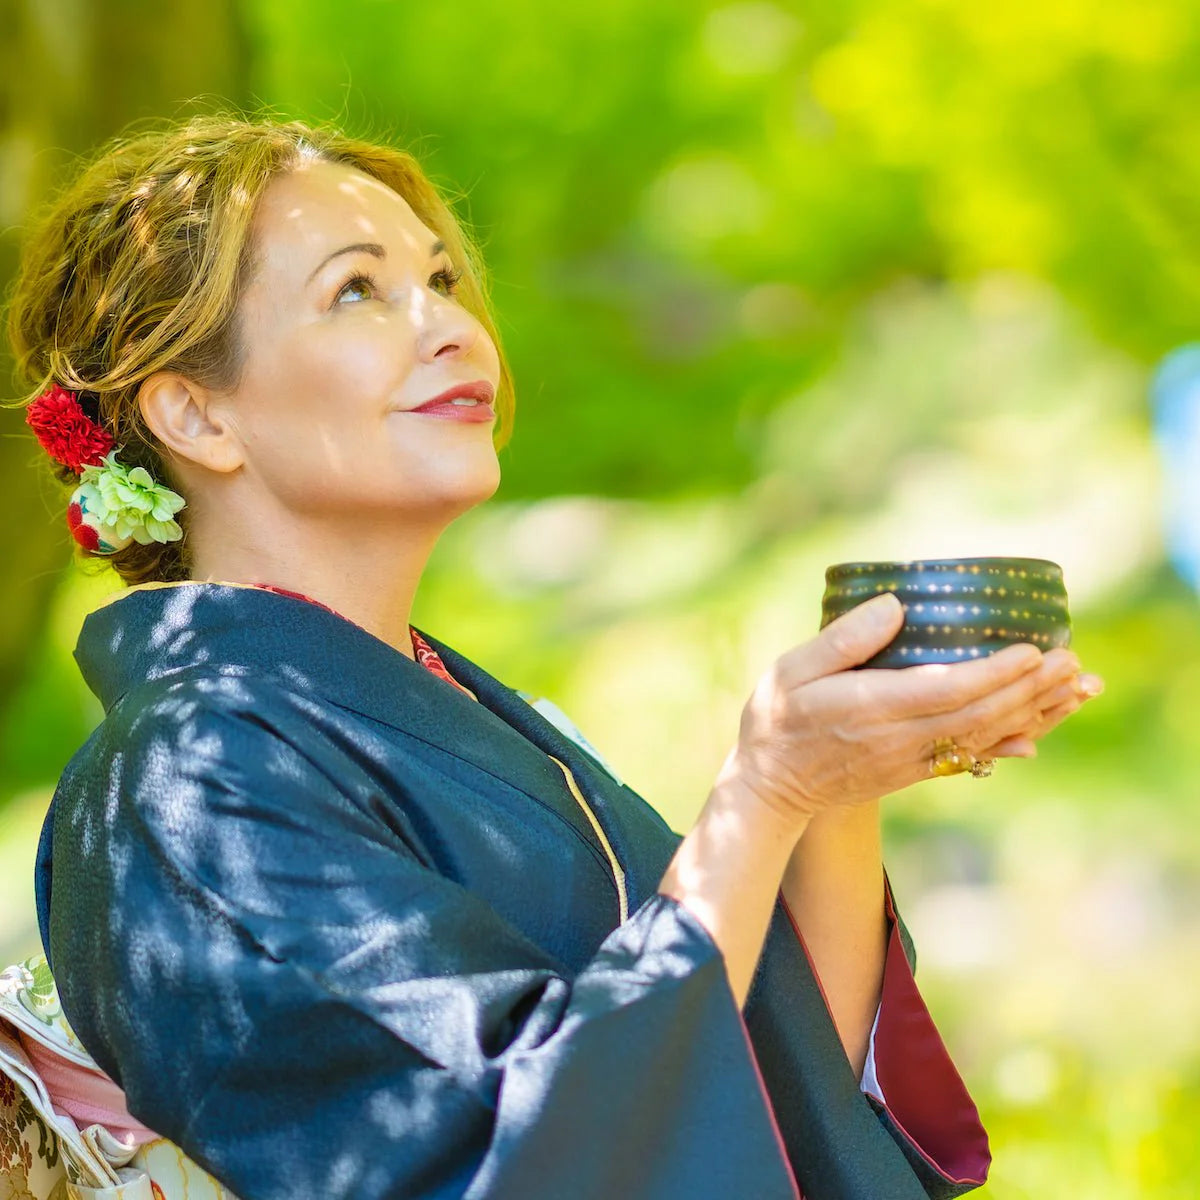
[(340, 343)]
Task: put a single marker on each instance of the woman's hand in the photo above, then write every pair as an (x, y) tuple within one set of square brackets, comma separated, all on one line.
[(816, 736), (1055, 703)]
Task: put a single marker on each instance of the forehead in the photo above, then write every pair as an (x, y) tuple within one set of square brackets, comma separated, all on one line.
[(318, 207)]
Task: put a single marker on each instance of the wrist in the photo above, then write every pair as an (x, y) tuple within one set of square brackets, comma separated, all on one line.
[(863, 815), (738, 799)]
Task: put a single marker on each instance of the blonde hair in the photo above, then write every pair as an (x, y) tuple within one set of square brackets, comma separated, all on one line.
[(138, 265)]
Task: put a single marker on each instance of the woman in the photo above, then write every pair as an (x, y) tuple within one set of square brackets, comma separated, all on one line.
[(341, 913)]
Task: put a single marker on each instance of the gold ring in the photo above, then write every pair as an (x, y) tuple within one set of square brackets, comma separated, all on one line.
[(983, 767), (950, 759)]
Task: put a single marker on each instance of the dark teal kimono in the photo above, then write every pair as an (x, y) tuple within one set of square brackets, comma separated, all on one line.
[(338, 931)]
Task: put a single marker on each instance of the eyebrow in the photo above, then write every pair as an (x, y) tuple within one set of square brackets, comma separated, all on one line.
[(367, 248)]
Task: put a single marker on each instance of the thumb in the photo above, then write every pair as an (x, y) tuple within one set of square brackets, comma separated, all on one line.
[(849, 640)]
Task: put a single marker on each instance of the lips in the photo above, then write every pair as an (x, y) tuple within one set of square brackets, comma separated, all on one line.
[(479, 389)]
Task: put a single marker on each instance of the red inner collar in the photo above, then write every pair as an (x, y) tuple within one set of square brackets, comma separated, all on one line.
[(424, 653)]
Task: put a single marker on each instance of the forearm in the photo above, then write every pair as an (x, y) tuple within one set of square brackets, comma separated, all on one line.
[(727, 871), (833, 884)]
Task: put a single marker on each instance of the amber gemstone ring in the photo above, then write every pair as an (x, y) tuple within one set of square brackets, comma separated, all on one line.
[(950, 759)]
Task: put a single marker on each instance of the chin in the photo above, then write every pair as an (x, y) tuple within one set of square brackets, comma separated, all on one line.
[(488, 479), (485, 493), (465, 492)]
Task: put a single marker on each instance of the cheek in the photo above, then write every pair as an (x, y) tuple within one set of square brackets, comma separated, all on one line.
[(357, 359), (322, 389)]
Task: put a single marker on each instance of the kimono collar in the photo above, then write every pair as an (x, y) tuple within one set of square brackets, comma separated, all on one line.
[(153, 630), (157, 630)]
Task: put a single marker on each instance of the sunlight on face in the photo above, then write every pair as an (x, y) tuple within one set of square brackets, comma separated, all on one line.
[(349, 320)]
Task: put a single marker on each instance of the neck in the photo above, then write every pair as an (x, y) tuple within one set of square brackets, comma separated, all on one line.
[(371, 585)]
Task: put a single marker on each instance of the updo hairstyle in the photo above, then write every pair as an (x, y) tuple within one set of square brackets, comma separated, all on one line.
[(139, 263)]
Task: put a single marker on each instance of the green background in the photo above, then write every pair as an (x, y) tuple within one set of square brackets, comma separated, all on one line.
[(781, 286)]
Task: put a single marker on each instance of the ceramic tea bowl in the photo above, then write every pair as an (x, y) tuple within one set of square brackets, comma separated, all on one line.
[(956, 608)]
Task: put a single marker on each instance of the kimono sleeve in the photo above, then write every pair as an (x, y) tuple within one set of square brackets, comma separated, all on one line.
[(918, 1095), (286, 991), (921, 1099)]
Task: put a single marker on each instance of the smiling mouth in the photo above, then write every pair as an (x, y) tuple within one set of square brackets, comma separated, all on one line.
[(460, 409), (479, 390)]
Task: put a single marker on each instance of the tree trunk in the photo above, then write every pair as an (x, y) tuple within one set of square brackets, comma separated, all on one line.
[(71, 75)]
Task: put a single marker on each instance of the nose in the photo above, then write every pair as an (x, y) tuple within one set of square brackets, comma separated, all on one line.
[(447, 329)]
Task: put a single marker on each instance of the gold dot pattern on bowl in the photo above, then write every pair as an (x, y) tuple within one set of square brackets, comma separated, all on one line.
[(957, 609)]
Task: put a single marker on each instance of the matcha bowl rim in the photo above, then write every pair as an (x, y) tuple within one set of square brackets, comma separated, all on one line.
[(913, 564)]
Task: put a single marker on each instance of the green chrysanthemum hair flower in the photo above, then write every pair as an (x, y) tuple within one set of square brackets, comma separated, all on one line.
[(123, 504)]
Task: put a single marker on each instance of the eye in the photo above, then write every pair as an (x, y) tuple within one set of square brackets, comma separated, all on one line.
[(450, 277), (363, 280), (358, 280)]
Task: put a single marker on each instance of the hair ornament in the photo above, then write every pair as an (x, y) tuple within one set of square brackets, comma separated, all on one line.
[(65, 431), (113, 504)]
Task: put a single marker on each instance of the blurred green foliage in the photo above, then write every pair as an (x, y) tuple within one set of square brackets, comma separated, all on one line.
[(781, 286)]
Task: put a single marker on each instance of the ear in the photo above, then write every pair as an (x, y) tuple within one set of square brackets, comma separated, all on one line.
[(189, 422)]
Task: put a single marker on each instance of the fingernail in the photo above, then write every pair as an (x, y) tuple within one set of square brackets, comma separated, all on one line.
[(1091, 685), (882, 612)]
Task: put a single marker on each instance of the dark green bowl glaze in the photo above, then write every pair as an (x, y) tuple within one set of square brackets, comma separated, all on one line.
[(957, 609)]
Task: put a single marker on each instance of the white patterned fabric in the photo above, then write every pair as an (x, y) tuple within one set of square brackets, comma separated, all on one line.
[(44, 1155)]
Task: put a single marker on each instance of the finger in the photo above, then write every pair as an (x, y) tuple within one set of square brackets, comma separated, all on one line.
[(1058, 666), (1002, 712), (1050, 718), (1017, 708), (1078, 688), (845, 642), (1014, 710), (1075, 686), (1013, 747), (929, 691), (1062, 664), (1057, 715), (1061, 660), (1059, 694)]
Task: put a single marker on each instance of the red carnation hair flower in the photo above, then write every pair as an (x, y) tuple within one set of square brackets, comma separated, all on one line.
[(65, 431)]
